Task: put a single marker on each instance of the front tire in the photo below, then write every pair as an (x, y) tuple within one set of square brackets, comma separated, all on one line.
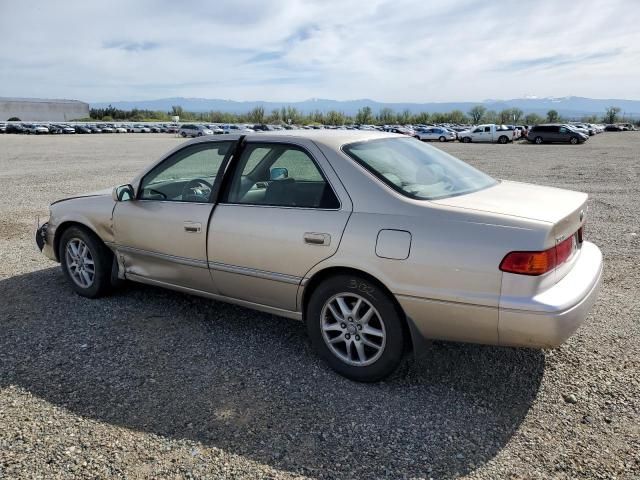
[(538, 140), (86, 262), (573, 140), (466, 140), (442, 139), (356, 328)]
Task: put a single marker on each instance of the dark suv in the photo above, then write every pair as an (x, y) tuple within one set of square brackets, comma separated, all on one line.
[(552, 133)]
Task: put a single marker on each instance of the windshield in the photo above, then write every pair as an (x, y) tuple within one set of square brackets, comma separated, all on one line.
[(417, 170)]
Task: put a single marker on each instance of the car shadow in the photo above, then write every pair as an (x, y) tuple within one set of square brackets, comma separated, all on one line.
[(249, 383)]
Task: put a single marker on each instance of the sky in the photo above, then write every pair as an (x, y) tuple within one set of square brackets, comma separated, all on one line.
[(293, 50)]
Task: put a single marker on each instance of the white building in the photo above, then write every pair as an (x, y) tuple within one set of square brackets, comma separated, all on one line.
[(42, 110)]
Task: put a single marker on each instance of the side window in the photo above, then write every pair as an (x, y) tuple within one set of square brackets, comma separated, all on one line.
[(487, 129), (186, 176), (563, 130), (279, 175)]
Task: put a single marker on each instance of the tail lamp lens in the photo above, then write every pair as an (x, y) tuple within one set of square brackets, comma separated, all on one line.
[(539, 263)]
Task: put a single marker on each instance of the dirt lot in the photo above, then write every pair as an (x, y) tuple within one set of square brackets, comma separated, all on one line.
[(151, 383)]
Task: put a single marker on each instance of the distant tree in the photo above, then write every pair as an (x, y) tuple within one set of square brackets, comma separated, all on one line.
[(611, 115), (422, 117), (14, 119), (404, 117), (552, 116), (364, 116), (386, 116), (517, 115), (107, 118), (491, 116), (533, 119), (257, 114), (476, 113), (457, 116), (334, 118), (177, 111)]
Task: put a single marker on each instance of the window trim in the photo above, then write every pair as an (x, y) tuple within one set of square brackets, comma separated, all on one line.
[(223, 198), (204, 146)]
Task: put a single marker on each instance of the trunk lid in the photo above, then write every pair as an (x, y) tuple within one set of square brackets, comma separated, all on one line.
[(565, 209)]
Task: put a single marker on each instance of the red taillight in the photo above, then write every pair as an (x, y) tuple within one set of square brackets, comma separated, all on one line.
[(538, 263)]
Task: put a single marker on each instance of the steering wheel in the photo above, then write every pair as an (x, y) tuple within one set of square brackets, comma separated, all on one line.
[(196, 190)]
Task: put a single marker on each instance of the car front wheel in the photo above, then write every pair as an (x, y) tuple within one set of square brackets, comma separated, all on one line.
[(442, 139), (538, 140), (86, 262), (356, 328), (466, 140), (574, 140)]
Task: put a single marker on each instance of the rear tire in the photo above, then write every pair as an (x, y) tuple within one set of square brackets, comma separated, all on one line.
[(183, 135), (538, 140), (86, 262), (355, 328), (503, 139)]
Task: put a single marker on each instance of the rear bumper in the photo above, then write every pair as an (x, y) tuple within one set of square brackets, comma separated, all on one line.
[(550, 317)]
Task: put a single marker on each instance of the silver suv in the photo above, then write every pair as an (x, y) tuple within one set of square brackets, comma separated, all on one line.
[(193, 130)]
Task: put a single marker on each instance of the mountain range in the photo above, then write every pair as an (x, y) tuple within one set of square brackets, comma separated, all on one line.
[(565, 106)]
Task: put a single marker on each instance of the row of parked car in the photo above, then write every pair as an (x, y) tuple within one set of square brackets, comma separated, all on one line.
[(485, 133), (67, 128)]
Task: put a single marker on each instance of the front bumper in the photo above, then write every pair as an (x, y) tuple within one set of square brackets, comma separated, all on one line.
[(44, 241), (550, 317)]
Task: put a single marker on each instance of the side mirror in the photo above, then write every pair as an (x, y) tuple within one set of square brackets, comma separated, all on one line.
[(278, 173), (123, 193)]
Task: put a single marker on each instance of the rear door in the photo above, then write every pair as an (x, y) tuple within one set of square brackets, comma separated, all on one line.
[(282, 211)]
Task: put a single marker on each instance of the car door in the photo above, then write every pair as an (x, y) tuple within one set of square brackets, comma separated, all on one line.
[(564, 135), (161, 235), (282, 211)]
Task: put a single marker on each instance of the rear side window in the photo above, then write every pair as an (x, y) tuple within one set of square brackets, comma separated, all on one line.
[(279, 175)]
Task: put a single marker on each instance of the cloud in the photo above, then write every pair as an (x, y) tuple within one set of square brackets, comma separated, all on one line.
[(131, 46), (388, 50)]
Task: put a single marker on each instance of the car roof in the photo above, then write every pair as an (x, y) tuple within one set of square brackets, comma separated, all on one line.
[(329, 138)]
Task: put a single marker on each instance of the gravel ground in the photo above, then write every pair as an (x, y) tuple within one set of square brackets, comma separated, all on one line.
[(155, 384)]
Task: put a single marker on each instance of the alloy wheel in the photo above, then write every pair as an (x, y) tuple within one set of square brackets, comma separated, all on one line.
[(353, 329), (80, 263)]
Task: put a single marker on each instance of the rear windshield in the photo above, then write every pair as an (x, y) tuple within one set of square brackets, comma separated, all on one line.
[(417, 170)]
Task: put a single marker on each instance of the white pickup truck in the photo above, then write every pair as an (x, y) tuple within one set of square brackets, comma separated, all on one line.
[(488, 133)]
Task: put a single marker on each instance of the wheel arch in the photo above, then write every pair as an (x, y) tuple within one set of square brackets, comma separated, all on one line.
[(63, 227), (411, 335)]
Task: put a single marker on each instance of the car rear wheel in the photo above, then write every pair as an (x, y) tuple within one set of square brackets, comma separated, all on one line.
[(466, 140), (503, 139), (355, 327), (183, 134), (442, 139), (86, 262), (573, 140), (538, 140)]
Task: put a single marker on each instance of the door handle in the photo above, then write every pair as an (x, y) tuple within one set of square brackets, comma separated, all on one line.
[(317, 238), (192, 227)]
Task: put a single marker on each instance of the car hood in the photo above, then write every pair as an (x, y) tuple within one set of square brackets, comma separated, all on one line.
[(535, 202), (98, 193)]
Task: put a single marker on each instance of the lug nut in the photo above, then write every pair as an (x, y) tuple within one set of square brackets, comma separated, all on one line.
[(347, 336), (359, 327), (343, 325), (357, 337), (350, 319)]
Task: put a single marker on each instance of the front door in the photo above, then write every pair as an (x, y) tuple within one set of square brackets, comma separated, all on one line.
[(282, 212), (161, 235)]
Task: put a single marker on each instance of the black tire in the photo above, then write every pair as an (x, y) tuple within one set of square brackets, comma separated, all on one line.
[(393, 348), (183, 134), (442, 139), (199, 134), (574, 140), (466, 139), (102, 258), (502, 139), (538, 140)]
